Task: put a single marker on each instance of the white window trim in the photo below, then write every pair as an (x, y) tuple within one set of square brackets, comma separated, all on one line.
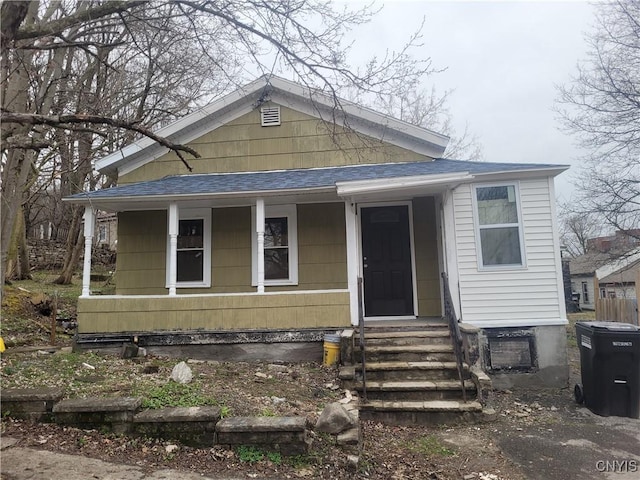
[(196, 214), (476, 221), (270, 211)]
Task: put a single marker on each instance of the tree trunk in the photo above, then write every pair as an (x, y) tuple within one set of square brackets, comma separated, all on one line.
[(18, 256), (15, 173), (12, 264), (23, 248), (75, 244), (17, 163)]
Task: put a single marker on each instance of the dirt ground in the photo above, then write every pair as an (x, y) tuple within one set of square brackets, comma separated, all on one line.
[(535, 434), (244, 389)]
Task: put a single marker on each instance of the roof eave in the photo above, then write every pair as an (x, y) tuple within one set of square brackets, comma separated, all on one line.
[(544, 170), (166, 199)]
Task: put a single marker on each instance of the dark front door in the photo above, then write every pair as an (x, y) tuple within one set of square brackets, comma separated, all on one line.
[(386, 261)]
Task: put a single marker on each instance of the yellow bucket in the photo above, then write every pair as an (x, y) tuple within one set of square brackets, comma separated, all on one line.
[(331, 349)]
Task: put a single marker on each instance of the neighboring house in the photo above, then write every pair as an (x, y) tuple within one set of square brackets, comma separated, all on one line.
[(583, 269), (262, 246), (614, 272), (620, 283), (106, 230)]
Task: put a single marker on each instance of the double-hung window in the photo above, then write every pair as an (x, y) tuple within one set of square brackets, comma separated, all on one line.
[(193, 253), (280, 246), (499, 230)]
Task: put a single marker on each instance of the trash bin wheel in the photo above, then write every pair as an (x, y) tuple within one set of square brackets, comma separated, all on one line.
[(578, 393)]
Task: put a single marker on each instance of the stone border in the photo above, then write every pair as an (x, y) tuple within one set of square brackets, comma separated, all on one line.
[(193, 426)]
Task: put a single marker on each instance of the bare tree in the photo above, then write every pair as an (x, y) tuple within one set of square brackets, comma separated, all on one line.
[(427, 108), (601, 108), (576, 228), (74, 55)]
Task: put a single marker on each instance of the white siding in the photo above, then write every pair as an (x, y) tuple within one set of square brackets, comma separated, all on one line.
[(516, 296), (576, 286)]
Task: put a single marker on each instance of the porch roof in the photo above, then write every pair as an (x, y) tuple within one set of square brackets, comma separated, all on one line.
[(278, 182)]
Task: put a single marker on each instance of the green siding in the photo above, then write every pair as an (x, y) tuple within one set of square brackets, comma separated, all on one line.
[(301, 141), (322, 250), (142, 244), (203, 312), (231, 250), (426, 248)]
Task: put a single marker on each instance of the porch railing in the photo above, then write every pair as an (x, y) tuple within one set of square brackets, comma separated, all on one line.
[(454, 329), (361, 334)]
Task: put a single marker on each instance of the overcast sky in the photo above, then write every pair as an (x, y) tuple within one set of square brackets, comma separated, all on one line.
[(503, 60)]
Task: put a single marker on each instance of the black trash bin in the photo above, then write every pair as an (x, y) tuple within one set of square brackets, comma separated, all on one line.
[(610, 367)]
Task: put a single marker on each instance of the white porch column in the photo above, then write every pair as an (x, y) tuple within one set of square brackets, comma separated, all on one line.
[(450, 248), (351, 221), (89, 220), (174, 219), (260, 236)]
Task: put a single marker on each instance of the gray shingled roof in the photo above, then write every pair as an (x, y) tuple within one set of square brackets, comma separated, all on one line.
[(588, 263), (297, 179)]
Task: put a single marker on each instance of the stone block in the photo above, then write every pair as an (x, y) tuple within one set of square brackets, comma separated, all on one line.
[(346, 346), (193, 426), (114, 414), (33, 404), (288, 435), (352, 436), (98, 404)]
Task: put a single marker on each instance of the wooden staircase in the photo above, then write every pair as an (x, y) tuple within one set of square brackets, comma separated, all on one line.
[(411, 376)]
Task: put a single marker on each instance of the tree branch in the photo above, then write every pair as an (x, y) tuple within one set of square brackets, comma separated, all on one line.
[(55, 27), (67, 121)]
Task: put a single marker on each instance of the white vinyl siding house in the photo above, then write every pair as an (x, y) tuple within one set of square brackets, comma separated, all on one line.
[(512, 295)]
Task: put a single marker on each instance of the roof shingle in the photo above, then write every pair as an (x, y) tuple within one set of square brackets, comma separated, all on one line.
[(297, 179)]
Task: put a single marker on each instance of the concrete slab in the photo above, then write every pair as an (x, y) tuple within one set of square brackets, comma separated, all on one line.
[(28, 464)]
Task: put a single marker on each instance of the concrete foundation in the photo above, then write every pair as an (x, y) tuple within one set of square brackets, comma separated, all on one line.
[(242, 346), (547, 356)]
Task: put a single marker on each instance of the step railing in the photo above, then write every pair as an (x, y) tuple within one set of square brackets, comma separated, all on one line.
[(361, 335), (454, 329)]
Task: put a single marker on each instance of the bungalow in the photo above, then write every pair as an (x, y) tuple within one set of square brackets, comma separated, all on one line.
[(610, 274), (260, 250)]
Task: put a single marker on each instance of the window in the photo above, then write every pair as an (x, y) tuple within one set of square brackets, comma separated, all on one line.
[(102, 233), (193, 255), (280, 246), (190, 250), (498, 226), (585, 292), (276, 248)]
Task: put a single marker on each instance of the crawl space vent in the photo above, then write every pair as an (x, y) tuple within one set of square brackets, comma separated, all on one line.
[(270, 116), (511, 353)]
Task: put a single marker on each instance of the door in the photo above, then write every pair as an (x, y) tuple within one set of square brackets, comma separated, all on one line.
[(386, 261)]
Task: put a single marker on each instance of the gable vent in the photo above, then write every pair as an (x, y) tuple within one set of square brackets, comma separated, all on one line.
[(270, 116)]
